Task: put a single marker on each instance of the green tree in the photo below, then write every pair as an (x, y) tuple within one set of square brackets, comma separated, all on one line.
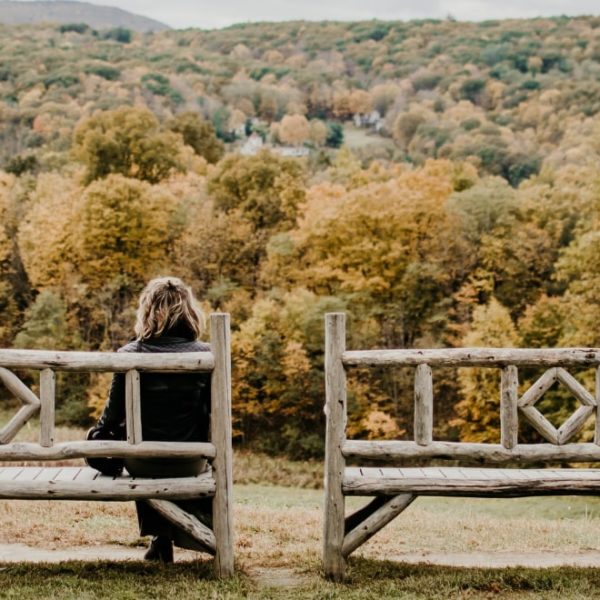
[(266, 188), (46, 326), (128, 141), (199, 135)]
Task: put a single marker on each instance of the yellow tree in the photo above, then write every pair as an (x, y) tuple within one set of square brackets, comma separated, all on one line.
[(47, 234), (387, 245), (266, 188), (278, 378), (123, 230), (360, 102), (122, 236), (128, 141), (318, 132), (478, 412), (294, 130)]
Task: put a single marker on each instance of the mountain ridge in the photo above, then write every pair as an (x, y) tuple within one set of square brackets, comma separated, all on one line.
[(73, 11)]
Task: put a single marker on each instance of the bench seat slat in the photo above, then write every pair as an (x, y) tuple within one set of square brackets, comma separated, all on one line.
[(28, 474), (47, 474), (85, 483), (9, 473), (453, 481), (67, 473)]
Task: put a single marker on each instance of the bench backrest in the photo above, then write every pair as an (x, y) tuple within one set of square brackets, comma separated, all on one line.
[(217, 362), (512, 404)]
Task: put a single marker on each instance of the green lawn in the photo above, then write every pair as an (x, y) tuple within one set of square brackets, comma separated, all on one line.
[(367, 580)]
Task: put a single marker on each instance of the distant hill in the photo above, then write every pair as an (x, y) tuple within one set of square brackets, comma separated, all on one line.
[(56, 11)]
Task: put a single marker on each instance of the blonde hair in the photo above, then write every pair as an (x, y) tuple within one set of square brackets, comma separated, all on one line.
[(167, 303)]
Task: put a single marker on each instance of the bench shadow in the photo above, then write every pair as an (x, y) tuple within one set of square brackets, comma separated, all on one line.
[(435, 581), (116, 579)]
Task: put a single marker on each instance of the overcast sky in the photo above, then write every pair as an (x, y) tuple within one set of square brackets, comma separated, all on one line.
[(219, 13)]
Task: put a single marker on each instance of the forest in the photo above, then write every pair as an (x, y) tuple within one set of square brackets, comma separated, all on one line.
[(438, 181)]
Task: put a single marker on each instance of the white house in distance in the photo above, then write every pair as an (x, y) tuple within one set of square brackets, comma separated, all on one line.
[(255, 144), (372, 119), (252, 145)]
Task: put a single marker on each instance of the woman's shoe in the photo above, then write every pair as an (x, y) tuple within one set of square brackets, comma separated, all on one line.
[(161, 548)]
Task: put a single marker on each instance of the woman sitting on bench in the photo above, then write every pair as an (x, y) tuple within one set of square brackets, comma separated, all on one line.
[(174, 407)]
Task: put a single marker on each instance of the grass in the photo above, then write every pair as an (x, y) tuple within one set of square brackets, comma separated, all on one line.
[(368, 580), (278, 509), (358, 138), (278, 545)]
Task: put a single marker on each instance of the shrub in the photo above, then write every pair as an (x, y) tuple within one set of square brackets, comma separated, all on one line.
[(76, 27), (335, 135), (118, 34), (471, 89), (470, 124), (426, 82), (21, 164), (104, 71)]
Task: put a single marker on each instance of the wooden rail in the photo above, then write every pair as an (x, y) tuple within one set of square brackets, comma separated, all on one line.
[(218, 484), (343, 534)]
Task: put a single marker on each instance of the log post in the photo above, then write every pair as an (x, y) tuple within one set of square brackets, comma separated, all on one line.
[(133, 409), (220, 342), (47, 399), (335, 414), (423, 405), (597, 432), (509, 417)]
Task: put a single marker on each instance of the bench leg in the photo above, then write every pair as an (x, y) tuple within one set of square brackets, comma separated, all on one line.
[(335, 463), (375, 516), (334, 563), (221, 437)]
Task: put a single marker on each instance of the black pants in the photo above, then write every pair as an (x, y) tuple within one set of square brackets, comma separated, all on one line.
[(153, 523)]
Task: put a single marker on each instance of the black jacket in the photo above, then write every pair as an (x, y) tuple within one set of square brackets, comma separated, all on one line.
[(175, 406)]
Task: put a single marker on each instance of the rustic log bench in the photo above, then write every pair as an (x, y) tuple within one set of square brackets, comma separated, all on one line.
[(396, 486), (84, 483)]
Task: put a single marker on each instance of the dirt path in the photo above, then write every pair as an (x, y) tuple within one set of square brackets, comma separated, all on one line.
[(13, 553)]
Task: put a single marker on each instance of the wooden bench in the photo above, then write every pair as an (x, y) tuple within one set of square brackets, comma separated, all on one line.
[(396, 486), (84, 483)]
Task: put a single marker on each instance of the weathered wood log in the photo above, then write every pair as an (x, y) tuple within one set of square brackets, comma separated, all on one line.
[(376, 521), (423, 422), (574, 423), (353, 520), (539, 388), (187, 522), (163, 362), (106, 488), (335, 434), (539, 422), (509, 418), (10, 430), (597, 432), (397, 451), (133, 407), (552, 482), (220, 341), (476, 357), (47, 399), (17, 388), (575, 387), (22, 451)]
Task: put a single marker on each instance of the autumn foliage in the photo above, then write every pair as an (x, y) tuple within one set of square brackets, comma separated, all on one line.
[(468, 217)]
